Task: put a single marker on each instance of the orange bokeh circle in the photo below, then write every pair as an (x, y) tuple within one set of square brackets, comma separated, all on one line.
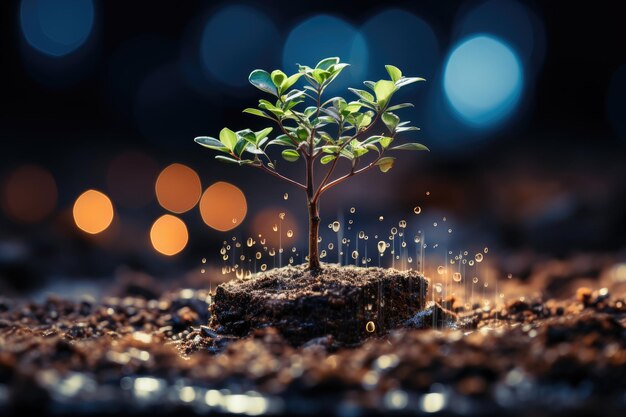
[(223, 206), (29, 194), (93, 212), (178, 188), (169, 235)]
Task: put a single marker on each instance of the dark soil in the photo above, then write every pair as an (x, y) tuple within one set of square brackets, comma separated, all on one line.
[(336, 301), (137, 355)]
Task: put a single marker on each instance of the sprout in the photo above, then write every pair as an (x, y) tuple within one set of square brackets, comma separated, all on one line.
[(318, 130)]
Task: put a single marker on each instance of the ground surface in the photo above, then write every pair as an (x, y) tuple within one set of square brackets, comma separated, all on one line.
[(564, 355)]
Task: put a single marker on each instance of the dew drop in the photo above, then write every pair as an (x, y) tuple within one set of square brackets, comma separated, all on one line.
[(202, 271), (486, 250), (344, 240), (335, 226), (509, 276), (435, 224), (234, 220), (427, 192), (403, 244), (323, 254), (449, 230), (471, 262)]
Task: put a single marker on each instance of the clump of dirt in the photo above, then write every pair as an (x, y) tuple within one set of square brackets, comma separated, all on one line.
[(346, 302)]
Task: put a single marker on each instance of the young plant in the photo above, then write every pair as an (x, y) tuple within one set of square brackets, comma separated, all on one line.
[(325, 131)]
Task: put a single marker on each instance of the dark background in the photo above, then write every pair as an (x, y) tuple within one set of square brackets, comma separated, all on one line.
[(549, 179)]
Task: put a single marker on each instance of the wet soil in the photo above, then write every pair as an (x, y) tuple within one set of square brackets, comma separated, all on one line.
[(155, 354)]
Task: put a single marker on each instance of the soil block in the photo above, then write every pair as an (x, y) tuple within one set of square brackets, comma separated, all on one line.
[(340, 301)]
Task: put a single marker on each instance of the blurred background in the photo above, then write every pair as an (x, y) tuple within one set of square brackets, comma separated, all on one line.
[(524, 110)]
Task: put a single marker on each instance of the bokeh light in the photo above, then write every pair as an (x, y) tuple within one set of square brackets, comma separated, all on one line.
[(130, 178), (400, 38), (616, 102), (178, 188), (93, 212), (223, 206), (324, 36), (56, 27), (169, 235), (483, 80), (29, 194), (235, 41), (512, 22)]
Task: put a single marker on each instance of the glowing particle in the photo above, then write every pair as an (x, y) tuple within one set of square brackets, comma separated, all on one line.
[(275, 228), (370, 327), (250, 242), (286, 196), (438, 287), (457, 277), (289, 233), (417, 209), (381, 218), (330, 246), (352, 210), (394, 231), (441, 269), (258, 255), (335, 226), (475, 280), (381, 247)]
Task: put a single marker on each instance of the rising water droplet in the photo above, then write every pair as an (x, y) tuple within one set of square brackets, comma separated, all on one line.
[(417, 209), (381, 218), (355, 254), (475, 280), (281, 216), (263, 267), (335, 226), (352, 210), (438, 287), (416, 239), (203, 260), (330, 246), (361, 234), (275, 228), (272, 252), (486, 250), (402, 224), (249, 242), (289, 233), (286, 196), (478, 257), (441, 269), (394, 231), (370, 327), (258, 255), (456, 277), (381, 247)]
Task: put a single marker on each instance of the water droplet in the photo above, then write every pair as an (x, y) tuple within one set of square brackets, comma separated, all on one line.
[(370, 327), (417, 209), (427, 192), (242, 258), (350, 222), (403, 244), (263, 241), (258, 255), (402, 224), (203, 260), (438, 287), (355, 254), (475, 280), (478, 257), (319, 239), (237, 245), (281, 216), (323, 254), (457, 277), (471, 262), (275, 228), (352, 210), (249, 242), (486, 285), (294, 250), (234, 220), (445, 219), (441, 269), (435, 224), (449, 230), (417, 239), (335, 226), (272, 252), (361, 234), (410, 259), (286, 196), (202, 271), (290, 233), (263, 267), (381, 218), (486, 250), (330, 246), (509, 276), (381, 247), (344, 240), (394, 231)]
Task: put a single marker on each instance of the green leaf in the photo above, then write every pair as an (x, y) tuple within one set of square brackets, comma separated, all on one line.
[(363, 94), (278, 77), (408, 80), (226, 159), (263, 133), (413, 146), (406, 129), (290, 81), (282, 140), (390, 120), (326, 63), (242, 143), (385, 141), (263, 81), (327, 158), (369, 84), (383, 90), (257, 112), (394, 72), (400, 106), (228, 138), (290, 155), (386, 163), (211, 143)]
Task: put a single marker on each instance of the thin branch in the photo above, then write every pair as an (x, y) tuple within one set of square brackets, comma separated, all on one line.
[(352, 173), (262, 167)]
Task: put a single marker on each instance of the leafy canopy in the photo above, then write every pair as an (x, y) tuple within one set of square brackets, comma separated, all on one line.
[(310, 127)]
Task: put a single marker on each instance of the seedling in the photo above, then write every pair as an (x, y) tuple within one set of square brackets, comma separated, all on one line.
[(326, 131)]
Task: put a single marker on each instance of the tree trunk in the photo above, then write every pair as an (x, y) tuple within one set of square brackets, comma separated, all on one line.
[(314, 228)]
